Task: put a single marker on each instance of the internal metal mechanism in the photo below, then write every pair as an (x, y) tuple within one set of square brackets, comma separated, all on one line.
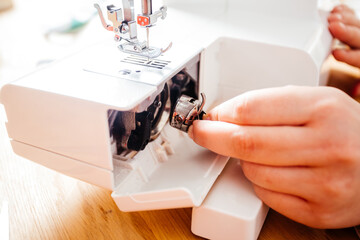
[(133, 131), (186, 111)]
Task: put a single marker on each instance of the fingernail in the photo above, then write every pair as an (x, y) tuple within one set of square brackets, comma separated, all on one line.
[(190, 132), (342, 25), (336, 16), (206, 117)]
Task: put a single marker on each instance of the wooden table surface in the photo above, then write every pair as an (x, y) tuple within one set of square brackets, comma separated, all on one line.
[(44, 204)]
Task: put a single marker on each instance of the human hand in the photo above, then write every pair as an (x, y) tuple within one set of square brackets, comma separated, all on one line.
[(345, 26), (300, 148)]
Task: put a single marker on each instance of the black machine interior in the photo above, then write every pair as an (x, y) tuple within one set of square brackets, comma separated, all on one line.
[(132, 131)]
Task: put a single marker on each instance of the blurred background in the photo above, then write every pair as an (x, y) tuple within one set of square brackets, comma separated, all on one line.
[(34, 33)]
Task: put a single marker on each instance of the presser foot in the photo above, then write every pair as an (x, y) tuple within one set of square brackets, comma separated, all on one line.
[(141, 49)]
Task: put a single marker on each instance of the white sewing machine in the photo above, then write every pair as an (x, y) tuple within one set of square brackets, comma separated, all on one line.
[(101, 114)]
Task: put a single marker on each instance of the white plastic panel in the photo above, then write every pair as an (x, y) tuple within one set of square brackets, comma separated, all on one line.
[(67, 126), (249, 65), (235, 66), (63, 108), (67, 78), (85, 172), (303, 9), (179, 179), (106, 59), (231, 211), (285, 23)]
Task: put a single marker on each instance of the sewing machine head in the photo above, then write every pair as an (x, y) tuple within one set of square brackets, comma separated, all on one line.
[(125, 28), (102, 114)]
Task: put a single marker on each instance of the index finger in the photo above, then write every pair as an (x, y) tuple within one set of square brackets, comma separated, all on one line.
[(276, 146), (345, 33), (270, 106)]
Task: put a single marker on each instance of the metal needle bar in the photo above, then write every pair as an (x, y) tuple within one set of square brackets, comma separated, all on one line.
[(147, 38)]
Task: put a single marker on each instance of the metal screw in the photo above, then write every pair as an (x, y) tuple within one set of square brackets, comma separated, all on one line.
[(178, 119), (180, 77), (124, 29), (158, 104)]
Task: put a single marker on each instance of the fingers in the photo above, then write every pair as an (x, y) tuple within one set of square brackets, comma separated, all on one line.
[(297, 181), (345, 26), (335, 17), (272, 106), (291, 206), (346, 18), (345, 33), (351, 57), (342, 8), (344, 14), (286, 146), (356, 90)]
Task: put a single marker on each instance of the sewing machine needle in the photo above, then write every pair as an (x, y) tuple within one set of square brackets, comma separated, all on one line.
[(147, 38)]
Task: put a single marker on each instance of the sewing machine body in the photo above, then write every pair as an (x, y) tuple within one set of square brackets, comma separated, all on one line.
[(58, 116)]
